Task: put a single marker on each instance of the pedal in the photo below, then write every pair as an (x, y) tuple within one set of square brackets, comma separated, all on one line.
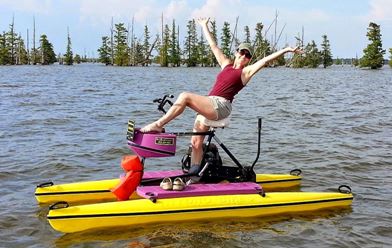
[(131, 130)]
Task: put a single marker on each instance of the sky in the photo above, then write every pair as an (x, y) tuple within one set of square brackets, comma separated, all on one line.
[(345, 22)]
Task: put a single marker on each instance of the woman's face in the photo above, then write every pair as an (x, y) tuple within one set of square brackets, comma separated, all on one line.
[(243, 57)]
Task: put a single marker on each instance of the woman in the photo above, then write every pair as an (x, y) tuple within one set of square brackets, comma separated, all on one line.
[(217, 105)]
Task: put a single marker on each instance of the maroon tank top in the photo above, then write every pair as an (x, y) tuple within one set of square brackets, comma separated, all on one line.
[(228, 83)]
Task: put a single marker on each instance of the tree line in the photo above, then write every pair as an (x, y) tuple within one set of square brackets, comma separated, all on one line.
[(14, 50), (122, 48)]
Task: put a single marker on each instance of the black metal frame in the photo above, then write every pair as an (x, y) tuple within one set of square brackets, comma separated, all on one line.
[(210, 135)]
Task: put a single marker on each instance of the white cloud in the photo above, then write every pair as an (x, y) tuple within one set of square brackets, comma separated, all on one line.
[(177, 9), (34, 6), (100, 12), (380, 10), (220, 10)]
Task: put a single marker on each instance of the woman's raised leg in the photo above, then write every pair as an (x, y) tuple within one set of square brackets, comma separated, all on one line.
[(201, 104)]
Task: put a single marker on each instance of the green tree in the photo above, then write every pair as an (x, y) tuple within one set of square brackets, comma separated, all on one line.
[(174, 50), (262, 47), (164, 49), (77, 59), (211, 60), (146, 47), (139, 52), (34, 56), (326, 55), (191, 49), (121, 49), (105, 51), (298, 60), (4, 51), (46, 51), (179, 52), (11, 43), (247, 34), (23, 57), (338, 61), (226, 39), (68, 57), (312, 55), (203, 51), (373, 53), (390, 57)]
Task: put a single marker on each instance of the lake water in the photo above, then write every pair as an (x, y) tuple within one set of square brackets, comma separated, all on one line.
[(68, 124)]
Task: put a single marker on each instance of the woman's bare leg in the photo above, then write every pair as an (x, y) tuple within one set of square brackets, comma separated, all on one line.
[(197, 143), (201, 104)]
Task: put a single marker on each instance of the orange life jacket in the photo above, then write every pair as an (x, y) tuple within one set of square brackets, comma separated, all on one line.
[(128, 184)]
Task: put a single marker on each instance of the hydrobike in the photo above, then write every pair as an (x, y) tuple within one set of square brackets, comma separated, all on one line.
[(101, 190), (239, 196)]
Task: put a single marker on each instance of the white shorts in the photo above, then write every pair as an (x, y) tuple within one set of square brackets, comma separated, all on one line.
[(222, 107)]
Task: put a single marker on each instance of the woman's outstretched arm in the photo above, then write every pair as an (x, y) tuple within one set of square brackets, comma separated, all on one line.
[(250, 70), (220, 57)]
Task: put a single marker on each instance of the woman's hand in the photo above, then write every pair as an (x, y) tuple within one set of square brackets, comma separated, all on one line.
[(203, 21), (296, 50)]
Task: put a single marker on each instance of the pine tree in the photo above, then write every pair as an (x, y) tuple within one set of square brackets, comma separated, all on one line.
[(262, 47), (298, 60), (373, 53), (247, 34), (312, 55), (203, 51), (164, 51), (104, 51), (191, 50), (178, 48), (146, 47), (68, 57), (211, 60), (121, 49), (4, 53), (174, 52), (34, 56), (226, 39), (77, 59), (326, 55), (23, 57), (11, 43), (139, 52), (46, 50), (390, 58)]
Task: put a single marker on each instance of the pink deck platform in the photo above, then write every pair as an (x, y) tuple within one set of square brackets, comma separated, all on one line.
[(155, 192), (161, 174)]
